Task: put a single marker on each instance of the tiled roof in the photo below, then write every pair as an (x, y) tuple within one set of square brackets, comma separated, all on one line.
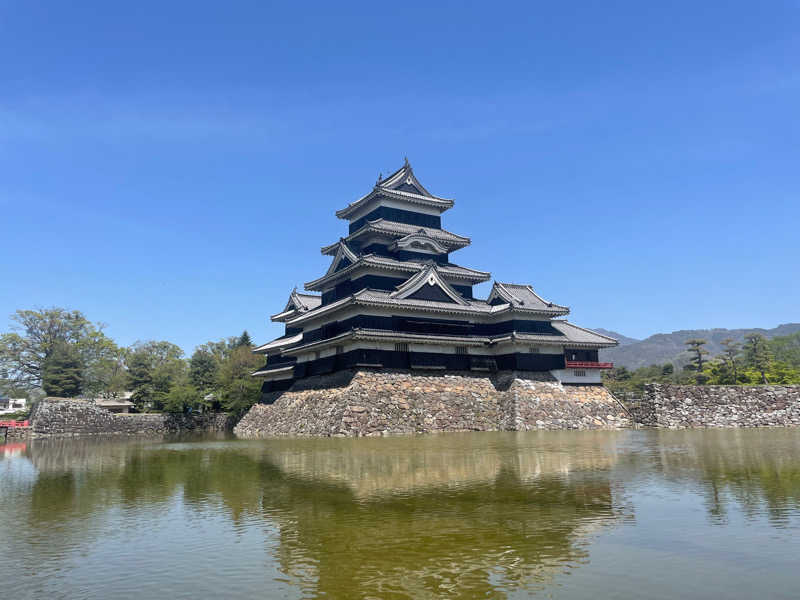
[(310, 301), (400, 230), (297, 304), (581, 335), (281, 342), (404, 266), (384, 298), (390, 188), (523, 296), (574, 335)]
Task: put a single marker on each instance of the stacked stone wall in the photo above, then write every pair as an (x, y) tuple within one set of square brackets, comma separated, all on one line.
[(58, 416), (686, 406), (372, 402)]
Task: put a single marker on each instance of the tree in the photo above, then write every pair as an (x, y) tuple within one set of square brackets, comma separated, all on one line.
[(62, 372), (697, 364), (244, 340), (237, 389), (757, 355), (730, 352), (153, 367), (203, 369), (34, 336), (140, 378), (183, 397)]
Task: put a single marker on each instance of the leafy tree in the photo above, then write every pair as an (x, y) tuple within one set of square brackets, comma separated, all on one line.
[(34, 336), (183, 397), (140, 378), (757, 355), (667, 370), (62, 372), (237, 389), (153, 368), (786, 349), (203, 368), (697, 363)]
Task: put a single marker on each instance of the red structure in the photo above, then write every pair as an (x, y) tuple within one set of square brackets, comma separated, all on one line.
[(585, 364)]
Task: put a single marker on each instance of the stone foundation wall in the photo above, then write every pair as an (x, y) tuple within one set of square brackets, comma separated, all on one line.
[(15, 434), (368, 402), (58, 416), (684, 406)]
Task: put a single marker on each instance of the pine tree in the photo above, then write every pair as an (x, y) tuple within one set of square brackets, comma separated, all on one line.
[(730, 352), (697, 364), (62, 372), (244, 340), (757, 354)]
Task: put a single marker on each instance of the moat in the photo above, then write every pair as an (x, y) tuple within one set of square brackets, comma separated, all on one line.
[(611, 514)]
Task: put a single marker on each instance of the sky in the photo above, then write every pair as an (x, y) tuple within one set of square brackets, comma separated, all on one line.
[(172, 169)]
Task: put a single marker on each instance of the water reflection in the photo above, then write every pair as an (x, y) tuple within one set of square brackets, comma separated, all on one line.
[(756, 470), (457, 515)]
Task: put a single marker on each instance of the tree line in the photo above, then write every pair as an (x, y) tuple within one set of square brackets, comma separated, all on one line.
[(59, 352), (756, 360)]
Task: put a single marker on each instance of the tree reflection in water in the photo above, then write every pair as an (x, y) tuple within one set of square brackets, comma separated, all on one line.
[(453, 516)]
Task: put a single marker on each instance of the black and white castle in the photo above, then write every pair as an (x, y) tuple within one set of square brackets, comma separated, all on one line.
[(393, 299)]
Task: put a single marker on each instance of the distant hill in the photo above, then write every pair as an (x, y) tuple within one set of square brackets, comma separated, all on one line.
[(623, 340), (670, 347)]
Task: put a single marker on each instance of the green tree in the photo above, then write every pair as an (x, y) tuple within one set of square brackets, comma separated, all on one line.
[(238, 390), (730, 354), (153, 368), (244, 340), (757, 355), (698, 363), (34, 335), (62, 372), (183, 397), (203, 368)]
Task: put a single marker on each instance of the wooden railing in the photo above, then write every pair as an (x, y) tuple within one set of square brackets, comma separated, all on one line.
[(14, 424), (588, 364)]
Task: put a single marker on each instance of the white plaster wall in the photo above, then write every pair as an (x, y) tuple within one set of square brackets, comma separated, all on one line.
[(568, 376)]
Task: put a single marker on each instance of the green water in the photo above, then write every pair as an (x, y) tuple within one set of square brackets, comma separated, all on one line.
[(633, 514)]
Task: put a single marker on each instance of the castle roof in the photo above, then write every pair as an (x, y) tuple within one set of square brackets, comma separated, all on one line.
[(392, 229), (520, 296), (401, 185), (297, 303), (386, 263)]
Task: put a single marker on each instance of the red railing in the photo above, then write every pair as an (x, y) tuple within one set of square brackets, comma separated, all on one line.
[(587, 364), (12, 424)]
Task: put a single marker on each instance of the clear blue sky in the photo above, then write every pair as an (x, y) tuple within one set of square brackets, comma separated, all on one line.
[(172, 169)]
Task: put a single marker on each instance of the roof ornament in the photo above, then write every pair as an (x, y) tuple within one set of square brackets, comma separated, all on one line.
[(380, 178), (406, 164)]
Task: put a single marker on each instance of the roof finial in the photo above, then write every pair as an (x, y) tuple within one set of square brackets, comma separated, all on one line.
[(406, 163), (380, 177)]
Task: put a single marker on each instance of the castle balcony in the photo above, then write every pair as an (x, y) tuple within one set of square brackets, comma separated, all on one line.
[(588, 364)]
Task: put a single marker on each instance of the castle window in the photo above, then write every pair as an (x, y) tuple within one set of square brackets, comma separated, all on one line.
[(534, 349), (461, 350), (339, 349), (401, 347), (316, 355), (579, 373)]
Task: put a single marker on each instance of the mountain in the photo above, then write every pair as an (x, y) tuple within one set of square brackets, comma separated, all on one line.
[(623, 340), (670, 347)]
